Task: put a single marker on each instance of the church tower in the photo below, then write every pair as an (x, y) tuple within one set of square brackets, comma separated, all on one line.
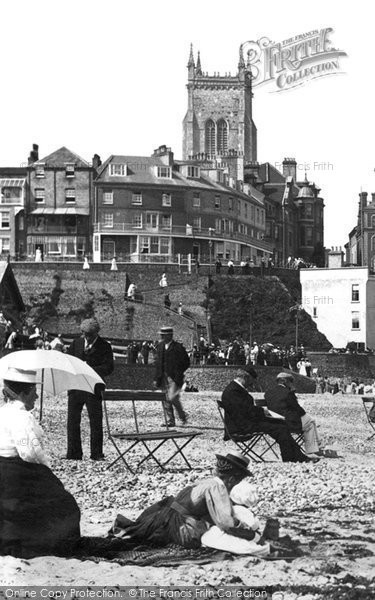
[(218, 122)]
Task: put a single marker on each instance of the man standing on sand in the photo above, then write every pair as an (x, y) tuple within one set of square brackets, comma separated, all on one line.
[(97, 353), (172, 361)]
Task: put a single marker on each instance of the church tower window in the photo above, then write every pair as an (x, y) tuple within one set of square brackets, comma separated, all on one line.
[(222, 136), (210, 137)]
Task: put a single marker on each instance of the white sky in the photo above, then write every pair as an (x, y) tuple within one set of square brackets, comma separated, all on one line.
[(109, 77)]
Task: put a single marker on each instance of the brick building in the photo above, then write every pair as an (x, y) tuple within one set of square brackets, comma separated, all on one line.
[(12, 216), (154, 208), (59, 196), (361, 246)]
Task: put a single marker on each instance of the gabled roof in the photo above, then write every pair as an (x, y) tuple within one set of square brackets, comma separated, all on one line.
[(62, 156), (140, 172), (7, 278)]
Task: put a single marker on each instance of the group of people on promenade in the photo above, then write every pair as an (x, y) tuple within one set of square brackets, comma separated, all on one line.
[(38, 516)]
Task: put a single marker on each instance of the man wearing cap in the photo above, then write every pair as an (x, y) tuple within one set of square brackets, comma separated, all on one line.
[(283, 400), (97, 353), (172, 361), (243, 417)]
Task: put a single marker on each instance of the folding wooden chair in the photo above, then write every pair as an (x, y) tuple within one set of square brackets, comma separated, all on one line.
[(368, 404), (152, 441), (247, 443)]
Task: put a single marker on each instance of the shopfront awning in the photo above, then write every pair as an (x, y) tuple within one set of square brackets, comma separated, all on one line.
[(8, 183), (60, 211)]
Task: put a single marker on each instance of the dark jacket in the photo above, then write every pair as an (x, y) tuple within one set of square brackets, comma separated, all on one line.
[(284, 401), (172, 362), (99, 357), (240, 412)]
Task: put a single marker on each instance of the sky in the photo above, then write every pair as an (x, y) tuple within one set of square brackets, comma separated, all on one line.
[(110, 78)]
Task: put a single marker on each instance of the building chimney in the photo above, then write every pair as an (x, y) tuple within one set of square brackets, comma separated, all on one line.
[(34, 154), (363, 199), (290, 168), (165, 154), (335, 258), (96, 161)]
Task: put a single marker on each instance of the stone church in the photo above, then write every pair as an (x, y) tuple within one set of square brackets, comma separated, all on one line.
[(219, 130)]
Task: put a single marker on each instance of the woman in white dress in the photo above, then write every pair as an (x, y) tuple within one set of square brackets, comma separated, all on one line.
[(37, 515)]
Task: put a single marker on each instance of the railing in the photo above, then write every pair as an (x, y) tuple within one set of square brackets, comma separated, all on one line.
[(49, 228), (183, 231), (12, 201)]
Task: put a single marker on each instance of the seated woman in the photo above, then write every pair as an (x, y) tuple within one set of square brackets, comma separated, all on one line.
[(244, 497), (185, 518), (37, 515)]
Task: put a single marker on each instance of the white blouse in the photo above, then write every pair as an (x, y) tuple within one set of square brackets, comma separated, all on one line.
[(20, 434)]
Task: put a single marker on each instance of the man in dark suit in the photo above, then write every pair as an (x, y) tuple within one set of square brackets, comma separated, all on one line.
[(171, 363), (243, 417), (97, 353), (283, 400)]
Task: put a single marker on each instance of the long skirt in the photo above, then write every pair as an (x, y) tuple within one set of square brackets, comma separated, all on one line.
[(37, 515), (161, 524)]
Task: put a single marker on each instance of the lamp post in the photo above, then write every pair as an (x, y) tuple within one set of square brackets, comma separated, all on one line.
[(297, 308)]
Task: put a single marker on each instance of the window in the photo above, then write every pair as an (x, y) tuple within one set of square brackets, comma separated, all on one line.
[(165, 172), (355, 320), (4, 220), (117, 170), (197, 222), (196, 199), (21, 222), (164, 245), (69, 170), (40, 195), (39, 171), (245, 210), (217, 202), (166, 221), (108, 197), (108, 220), (372, 221), (308, 211), (355, 292), (5, 244), (193, 172), (210, 137), (166, 200), (154, 245), (137, 221), (144, 244), (315, 311), (70, 195), (230, 203), (137, 198), (257, 215), (222, 136)]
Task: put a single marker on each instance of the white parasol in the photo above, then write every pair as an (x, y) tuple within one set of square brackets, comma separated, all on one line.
[(58, 372)]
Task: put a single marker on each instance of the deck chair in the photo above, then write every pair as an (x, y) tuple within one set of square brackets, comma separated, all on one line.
[(253, 445), (151, 441)]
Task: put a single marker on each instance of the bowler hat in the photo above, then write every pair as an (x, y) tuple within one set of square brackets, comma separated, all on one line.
[(233, 461), (166, 331), (284, 375), (251, 371), (21, 375)]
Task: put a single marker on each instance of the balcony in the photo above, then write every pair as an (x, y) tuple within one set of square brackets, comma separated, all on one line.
[(182, 231), (54, 229)]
